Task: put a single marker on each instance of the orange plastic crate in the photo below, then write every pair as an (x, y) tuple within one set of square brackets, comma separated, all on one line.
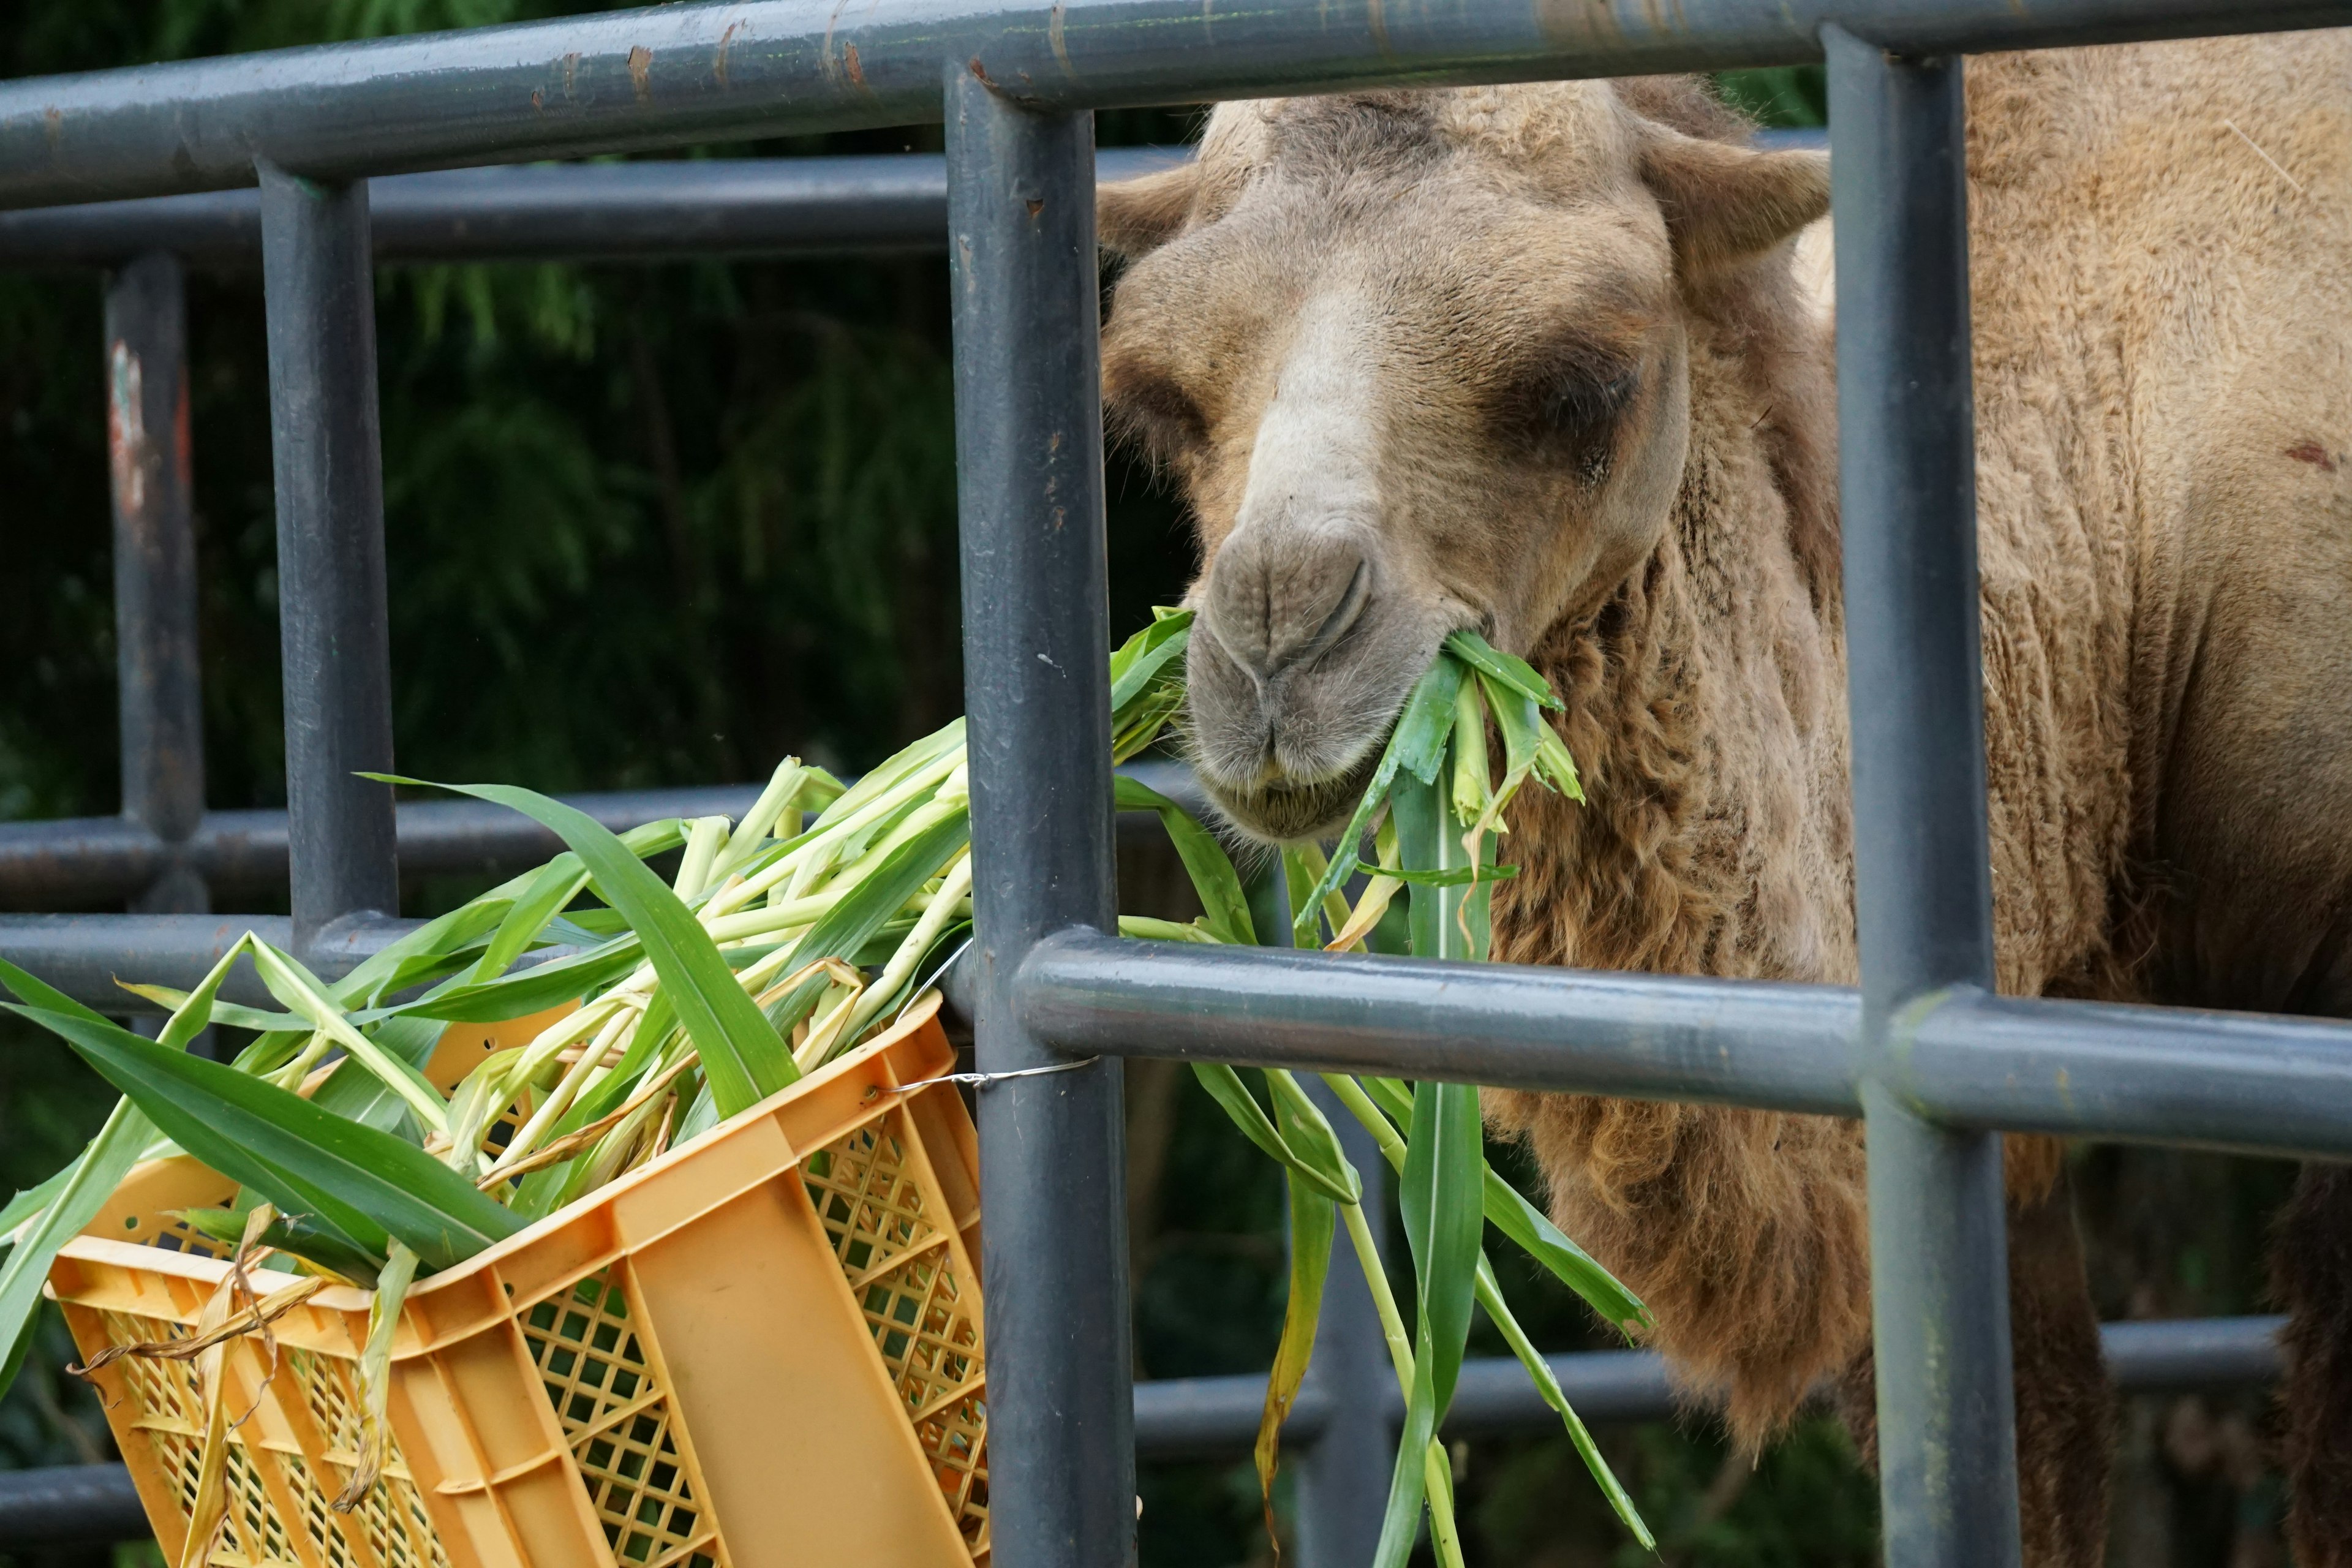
[(761, 1349)]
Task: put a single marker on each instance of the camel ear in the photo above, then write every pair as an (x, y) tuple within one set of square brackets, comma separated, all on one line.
[(1725, 205), (1138, 215)]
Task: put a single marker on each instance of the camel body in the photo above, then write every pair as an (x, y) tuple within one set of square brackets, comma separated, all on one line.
[(2161, 258)]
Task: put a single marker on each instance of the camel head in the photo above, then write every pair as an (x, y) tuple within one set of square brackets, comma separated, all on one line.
[(1417, 359)]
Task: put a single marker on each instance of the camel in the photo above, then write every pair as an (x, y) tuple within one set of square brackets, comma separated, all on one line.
[(1540, 361)]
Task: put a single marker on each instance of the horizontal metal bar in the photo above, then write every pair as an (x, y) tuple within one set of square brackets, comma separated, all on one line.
[(1640, 1036), (99, 859), (70, 1505), (711, 207), (1199, 1417), (1215, 1417), (91, 859), (2242, 1082), (676, 75), (83, 955)]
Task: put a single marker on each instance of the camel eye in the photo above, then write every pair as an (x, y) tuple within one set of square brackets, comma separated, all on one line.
[(1566, 415), (1149, 408)]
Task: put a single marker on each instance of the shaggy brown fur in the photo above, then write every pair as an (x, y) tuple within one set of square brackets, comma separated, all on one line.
[(1535, 360)]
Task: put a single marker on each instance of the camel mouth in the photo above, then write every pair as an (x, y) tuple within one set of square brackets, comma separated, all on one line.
[(1290, 811)]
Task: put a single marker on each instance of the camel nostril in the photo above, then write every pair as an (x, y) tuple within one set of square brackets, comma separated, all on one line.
[(1343, 616), (1281, 597)]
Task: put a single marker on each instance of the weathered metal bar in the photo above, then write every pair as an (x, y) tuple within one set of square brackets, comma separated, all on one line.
[(648, 211), (1641, 1037), (2239, 1082), (1922, 879), (334, 631), (83, 956), (1021, 219), (160, 706), (676, 75), (72, 861), (1179, 1420)]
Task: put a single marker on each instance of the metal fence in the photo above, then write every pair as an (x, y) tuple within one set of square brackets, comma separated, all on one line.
[(1924, 1051)]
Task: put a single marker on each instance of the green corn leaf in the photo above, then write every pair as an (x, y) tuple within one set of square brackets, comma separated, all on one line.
[(1506, 1208), (86, 1184), (1452, 876), (1416, 748), (892, 771), (1440, 1198), (1408, 1484), (301, 993), (1522, 728), (1308, 1134), (1145, 928), (1473, 794), (304, 1235), (1224, 902), (1539, 1373), (392, 967), (1493, 662), (1144, 656), (1525, 1224), (1314, 1227), (31, 1201), (745, 1059), (367, 1184), (1558, 768), (1427, 722), (557, 884), (1225, 1086), (75, 1195), (532, 990)]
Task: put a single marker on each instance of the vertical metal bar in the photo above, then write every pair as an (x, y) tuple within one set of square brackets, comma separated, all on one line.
[(156, 668), (332, 629), (1343, 1480), (1923, 885), (1020, 222)]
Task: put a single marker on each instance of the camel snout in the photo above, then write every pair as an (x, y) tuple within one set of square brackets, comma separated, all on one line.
[(1279, 599)]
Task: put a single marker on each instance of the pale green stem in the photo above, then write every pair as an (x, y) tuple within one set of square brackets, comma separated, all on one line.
[(576, 1078), (704, 840), (817, 852), (289, 1076), (901, 967), (1384, 1300)]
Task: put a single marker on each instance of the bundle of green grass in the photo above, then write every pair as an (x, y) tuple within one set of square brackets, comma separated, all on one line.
[(783, 941)]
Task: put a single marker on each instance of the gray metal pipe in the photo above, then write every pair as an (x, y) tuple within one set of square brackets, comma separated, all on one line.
[(1029, 490), (161, 710), (1922, 879), (672, 76), (333, 624), (1179, 1420), (1640, 1036), (84, 955), (645, 211)]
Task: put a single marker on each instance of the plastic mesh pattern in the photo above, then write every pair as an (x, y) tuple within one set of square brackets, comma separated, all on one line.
[(903, 1270), (618, 1422)]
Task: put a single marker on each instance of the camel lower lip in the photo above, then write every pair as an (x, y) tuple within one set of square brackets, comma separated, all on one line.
[(1290, 811)]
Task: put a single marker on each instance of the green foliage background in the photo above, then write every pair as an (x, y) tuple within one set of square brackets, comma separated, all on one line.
[(661, 525)]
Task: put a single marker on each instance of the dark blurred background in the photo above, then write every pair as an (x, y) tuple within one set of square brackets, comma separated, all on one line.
[(661, 525)]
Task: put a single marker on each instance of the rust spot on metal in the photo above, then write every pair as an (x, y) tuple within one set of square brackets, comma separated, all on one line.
[(980, 71), (126, 430), (849, 59), (1036, 205), (641, 72), (53, 120), (2315, 454), (538, 98), (718, 66)]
